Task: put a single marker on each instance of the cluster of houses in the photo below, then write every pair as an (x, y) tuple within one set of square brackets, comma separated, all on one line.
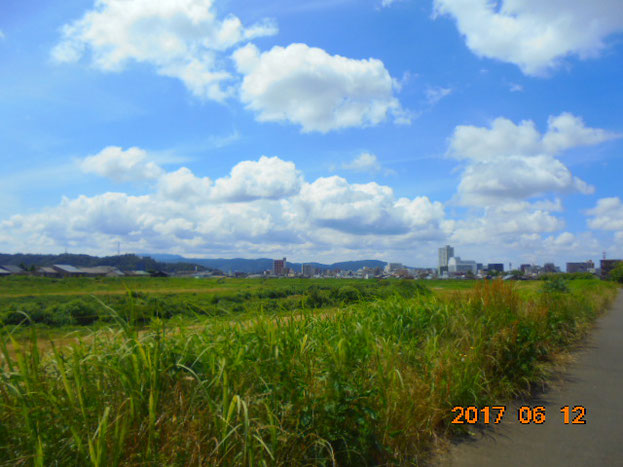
[(67, 270)]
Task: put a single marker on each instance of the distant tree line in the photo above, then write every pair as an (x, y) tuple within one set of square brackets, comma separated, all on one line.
[(128, 262)]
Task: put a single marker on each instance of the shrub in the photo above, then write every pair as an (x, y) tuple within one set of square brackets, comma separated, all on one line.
[(26, 313), (81, 312), (348, 294), (14, 317), (555, 285), (315, 298), (617, 273), (57, 316)]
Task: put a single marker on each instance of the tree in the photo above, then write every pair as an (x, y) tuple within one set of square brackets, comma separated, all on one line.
[(617, 273)]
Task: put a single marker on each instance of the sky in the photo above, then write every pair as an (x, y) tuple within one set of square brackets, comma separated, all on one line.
[(320, 130)]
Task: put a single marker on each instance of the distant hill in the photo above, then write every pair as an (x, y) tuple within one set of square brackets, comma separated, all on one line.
[(255, 266), (355, 265), (170, 263), (127, 262)]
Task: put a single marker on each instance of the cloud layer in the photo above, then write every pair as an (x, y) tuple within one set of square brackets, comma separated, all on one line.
[(535, 35), (262, 206)]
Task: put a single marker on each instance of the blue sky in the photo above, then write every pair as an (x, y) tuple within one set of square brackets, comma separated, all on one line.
[(317, 130)]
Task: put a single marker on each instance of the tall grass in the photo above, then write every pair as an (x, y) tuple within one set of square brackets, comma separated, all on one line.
[(372, 383)]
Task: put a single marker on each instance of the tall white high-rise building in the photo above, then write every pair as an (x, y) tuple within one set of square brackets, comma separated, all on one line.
[(445, 253)]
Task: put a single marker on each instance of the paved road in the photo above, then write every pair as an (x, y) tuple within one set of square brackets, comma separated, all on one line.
[(595, 381)]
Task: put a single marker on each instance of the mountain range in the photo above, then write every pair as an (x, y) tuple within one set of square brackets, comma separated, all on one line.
[(252, 266)]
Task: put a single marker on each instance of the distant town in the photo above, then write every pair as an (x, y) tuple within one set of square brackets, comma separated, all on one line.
[(449, 266)]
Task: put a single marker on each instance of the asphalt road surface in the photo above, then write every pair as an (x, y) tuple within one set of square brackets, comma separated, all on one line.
[(594, 381)]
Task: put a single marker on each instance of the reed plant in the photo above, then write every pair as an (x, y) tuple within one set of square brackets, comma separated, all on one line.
[(369, 384)]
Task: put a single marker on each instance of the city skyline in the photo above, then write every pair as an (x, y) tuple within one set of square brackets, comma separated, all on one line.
[(320, 131)]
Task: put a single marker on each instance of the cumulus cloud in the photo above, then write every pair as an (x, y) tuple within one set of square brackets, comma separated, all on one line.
[(122, 166), (269, 177), (607, 214), (511, 161), (365, 208), (179, 38), (534, 35), (318, 91), (517, 177), (505, 223), (564, 239), (182, 185), (263, 206), (506, 138), (568, 131)]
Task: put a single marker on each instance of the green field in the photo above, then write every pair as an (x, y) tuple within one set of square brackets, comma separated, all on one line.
[(268, 372), (62, 304)]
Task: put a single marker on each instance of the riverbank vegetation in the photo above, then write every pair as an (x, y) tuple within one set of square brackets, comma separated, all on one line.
[(368, 381)]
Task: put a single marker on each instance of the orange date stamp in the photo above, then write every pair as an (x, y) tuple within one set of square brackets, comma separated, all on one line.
[(526, 415)]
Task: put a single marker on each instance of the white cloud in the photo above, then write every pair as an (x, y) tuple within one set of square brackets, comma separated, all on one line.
[(2, 36), (180, 38), (183, 185), (579, 246), (365, 209), (321, 92), (364, 162), (505, 223), (533, 34), (511, 161), (121, 166), (607, 214), (568, 131), (514, 87), (435, 94), (517, 177), (506, 138), (563, 239), (270, 178)]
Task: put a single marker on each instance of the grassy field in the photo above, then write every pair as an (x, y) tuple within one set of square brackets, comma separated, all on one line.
[(349, 373), (67, 303)]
